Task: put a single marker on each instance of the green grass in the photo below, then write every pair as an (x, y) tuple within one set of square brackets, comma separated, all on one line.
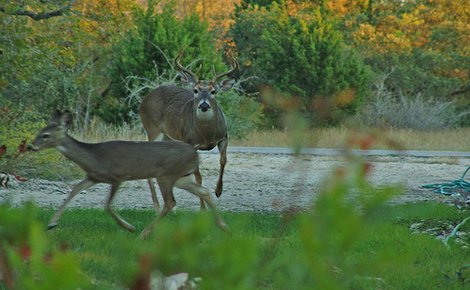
[(268, 251)]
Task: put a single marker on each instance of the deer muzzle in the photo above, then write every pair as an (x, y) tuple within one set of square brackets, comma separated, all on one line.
[(204, 106)]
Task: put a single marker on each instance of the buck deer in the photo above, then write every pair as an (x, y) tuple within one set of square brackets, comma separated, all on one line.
[(172, 163), (191, 116)]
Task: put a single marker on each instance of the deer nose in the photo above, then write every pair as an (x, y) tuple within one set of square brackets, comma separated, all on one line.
[(204, 106)]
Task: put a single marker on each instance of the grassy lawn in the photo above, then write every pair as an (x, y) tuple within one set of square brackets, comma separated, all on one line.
[(348, 241), (273, 251)]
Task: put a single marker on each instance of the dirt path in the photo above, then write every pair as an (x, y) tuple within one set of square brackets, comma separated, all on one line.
[(256, 182)]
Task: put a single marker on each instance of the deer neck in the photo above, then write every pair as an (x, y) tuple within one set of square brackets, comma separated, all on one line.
[(76, 151), (207, 122)]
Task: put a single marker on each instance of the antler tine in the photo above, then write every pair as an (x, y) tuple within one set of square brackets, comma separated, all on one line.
[(189, 73), (234, 66)]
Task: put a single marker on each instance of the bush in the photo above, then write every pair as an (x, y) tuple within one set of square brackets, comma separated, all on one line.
[(27, 258), (300, 57), (149, 51), (42, 68), (435, 78), (18, 127), (243, 114), (418, 72), (397, 110), (317, 248)]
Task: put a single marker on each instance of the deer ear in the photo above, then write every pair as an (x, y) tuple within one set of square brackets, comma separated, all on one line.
[(55, 117), (226, 84), (66, 119)]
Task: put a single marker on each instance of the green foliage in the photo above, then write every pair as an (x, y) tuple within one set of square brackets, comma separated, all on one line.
[(344, 214), (305, 58), (424, 75), (148, 53), (28, 260), (49, 64), (243, 114), (18, 127), (350, 239), (418, 73), (300, 48), (389, 109)]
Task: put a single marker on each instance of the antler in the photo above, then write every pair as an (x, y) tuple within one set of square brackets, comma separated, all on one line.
[(189, 75), (233, 68)]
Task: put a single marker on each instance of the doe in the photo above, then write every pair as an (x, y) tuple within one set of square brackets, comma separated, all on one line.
[(171, 163)]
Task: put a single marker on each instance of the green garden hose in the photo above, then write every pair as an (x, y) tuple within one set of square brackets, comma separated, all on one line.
[(453, 187)]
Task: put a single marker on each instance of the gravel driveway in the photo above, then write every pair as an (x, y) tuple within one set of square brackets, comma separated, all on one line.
[(256, 182)]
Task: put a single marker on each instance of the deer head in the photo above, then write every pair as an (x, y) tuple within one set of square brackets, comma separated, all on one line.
[(52, 135), (205, 91)]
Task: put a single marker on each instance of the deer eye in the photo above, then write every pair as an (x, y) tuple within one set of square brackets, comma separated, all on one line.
[(46, 136), (213, 93), (196, 91)]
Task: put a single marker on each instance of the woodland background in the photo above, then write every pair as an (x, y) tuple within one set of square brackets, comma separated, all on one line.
[(378, 63), (306, 67)]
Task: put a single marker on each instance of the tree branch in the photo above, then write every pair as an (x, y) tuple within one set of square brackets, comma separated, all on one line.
[(40, 15)]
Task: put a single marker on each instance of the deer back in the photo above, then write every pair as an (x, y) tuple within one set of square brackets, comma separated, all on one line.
[(123, 160), (117, 161)]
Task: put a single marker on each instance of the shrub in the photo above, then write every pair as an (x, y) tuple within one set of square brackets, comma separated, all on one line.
[(42, 68), (301, 57), (436, 78), (18, 127), (397, 110), (149, 50), (28, 260), (243, 114), (418, 72), (315, 248)]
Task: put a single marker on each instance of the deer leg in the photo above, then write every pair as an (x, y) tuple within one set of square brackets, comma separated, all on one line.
[(197, 175), (117, 218), (223, 160), (82, 185), (154, 136), (187, 183), (168, 203), (156, 204)]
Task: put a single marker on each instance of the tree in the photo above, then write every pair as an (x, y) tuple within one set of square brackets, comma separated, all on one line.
[(61, 61), (423, 45), (148, 51), (302, 56), (17, 8)]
